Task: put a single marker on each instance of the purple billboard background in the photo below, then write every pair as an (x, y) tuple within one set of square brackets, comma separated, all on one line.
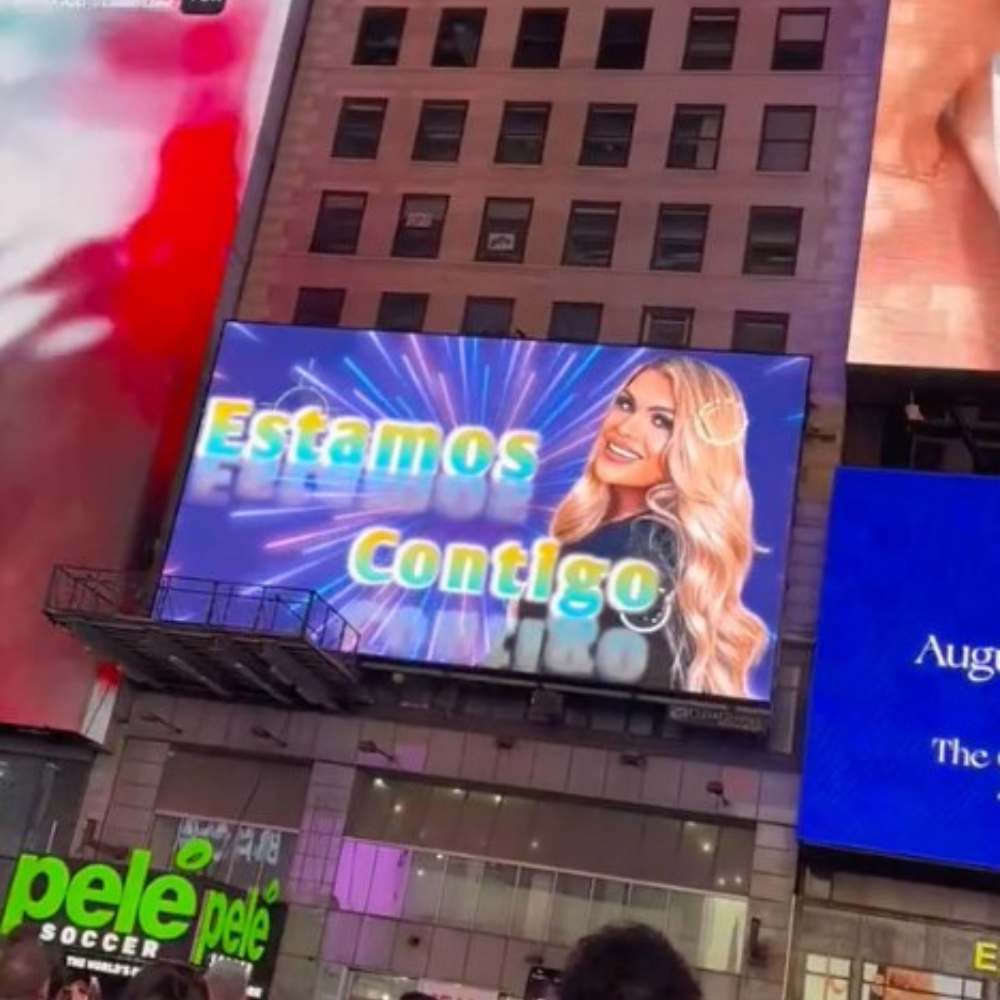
[(242, 521)]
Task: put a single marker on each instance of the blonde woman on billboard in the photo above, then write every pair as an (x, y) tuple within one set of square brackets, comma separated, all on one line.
[(666, 481)]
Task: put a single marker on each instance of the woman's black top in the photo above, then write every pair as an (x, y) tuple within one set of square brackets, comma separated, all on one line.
[(667, 645)]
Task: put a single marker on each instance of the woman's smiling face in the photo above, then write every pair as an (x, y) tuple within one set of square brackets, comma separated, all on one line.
[(635, 432)]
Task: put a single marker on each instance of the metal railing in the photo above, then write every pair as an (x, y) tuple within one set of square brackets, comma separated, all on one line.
[(290, 612)]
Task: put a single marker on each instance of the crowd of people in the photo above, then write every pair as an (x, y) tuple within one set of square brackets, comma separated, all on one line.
[(627, 962)]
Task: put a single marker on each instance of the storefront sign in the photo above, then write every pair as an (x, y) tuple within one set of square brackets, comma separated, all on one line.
[(903, 751), (121, 916), (497, 505), (986, 957)]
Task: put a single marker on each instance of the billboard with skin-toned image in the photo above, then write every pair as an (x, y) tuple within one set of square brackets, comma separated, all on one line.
[(596, 514), (928, 289)]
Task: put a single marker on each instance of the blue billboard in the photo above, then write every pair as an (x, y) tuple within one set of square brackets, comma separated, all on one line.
[(903, 744), (598, 514)]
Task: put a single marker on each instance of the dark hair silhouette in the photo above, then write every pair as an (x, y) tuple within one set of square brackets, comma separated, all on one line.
[(24, 966), (629, 962)]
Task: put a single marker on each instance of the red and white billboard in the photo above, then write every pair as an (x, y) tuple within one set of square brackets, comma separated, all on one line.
[(129, 133)]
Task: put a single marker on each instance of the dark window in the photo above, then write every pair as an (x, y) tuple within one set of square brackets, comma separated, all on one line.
[(579, 321), (607, 137), (488, 316), (338, 223), (319, 306), (711, 38), (764, 332), (773, 241), (540, 39), (504, 231), (666, 327), (380, 36), (680, 237), (401, 311), (421, 222), (590, 233), (786, 138), (522, 133), (458, 38), (439, 134), (244, 789), (359, 128), (695, 136), (800, 39), (623, 39)]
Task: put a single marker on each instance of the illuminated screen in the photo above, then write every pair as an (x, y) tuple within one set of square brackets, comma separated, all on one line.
[(600, 514), (928, 290), (903, 753), (128, 131)]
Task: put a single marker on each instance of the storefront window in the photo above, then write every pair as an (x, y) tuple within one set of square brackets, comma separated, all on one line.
[(532, 904), (461, 890), (245, 855), (827, 978), (570, 909), (612, 841), (495, 897), (41, 798), (423, 892), (536, 904), (608, 903)]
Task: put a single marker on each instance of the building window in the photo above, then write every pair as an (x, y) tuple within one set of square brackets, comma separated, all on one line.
[(786, 138), (607, 137), (773, 241), (421, 222), (380, 36), (577, 321), (680, 237), (359, 128), (666, 327), (527, 901), (246, 855), (827, 978), (800, 38), (623, 39), (439, 134), (491, 317), (711, 38), (504, 232), (695, 136), (318, 306), (540, 39), (338, 223), (590, 233), (765, 333), (458, 37), (401, 311), (522, 133)]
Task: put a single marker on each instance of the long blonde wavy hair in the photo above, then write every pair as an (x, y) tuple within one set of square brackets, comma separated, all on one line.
[(706, 501)]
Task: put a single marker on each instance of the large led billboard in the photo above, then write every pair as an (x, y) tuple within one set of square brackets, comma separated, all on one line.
[(599, 514), (903, 750), (129, 132), (928, 290)]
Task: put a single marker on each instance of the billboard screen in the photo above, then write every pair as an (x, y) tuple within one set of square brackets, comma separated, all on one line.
[(902, 731), (928, 290), (601, 514), (127, 137)]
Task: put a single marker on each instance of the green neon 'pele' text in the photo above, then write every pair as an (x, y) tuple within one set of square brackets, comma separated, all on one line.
[(163, 908)]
